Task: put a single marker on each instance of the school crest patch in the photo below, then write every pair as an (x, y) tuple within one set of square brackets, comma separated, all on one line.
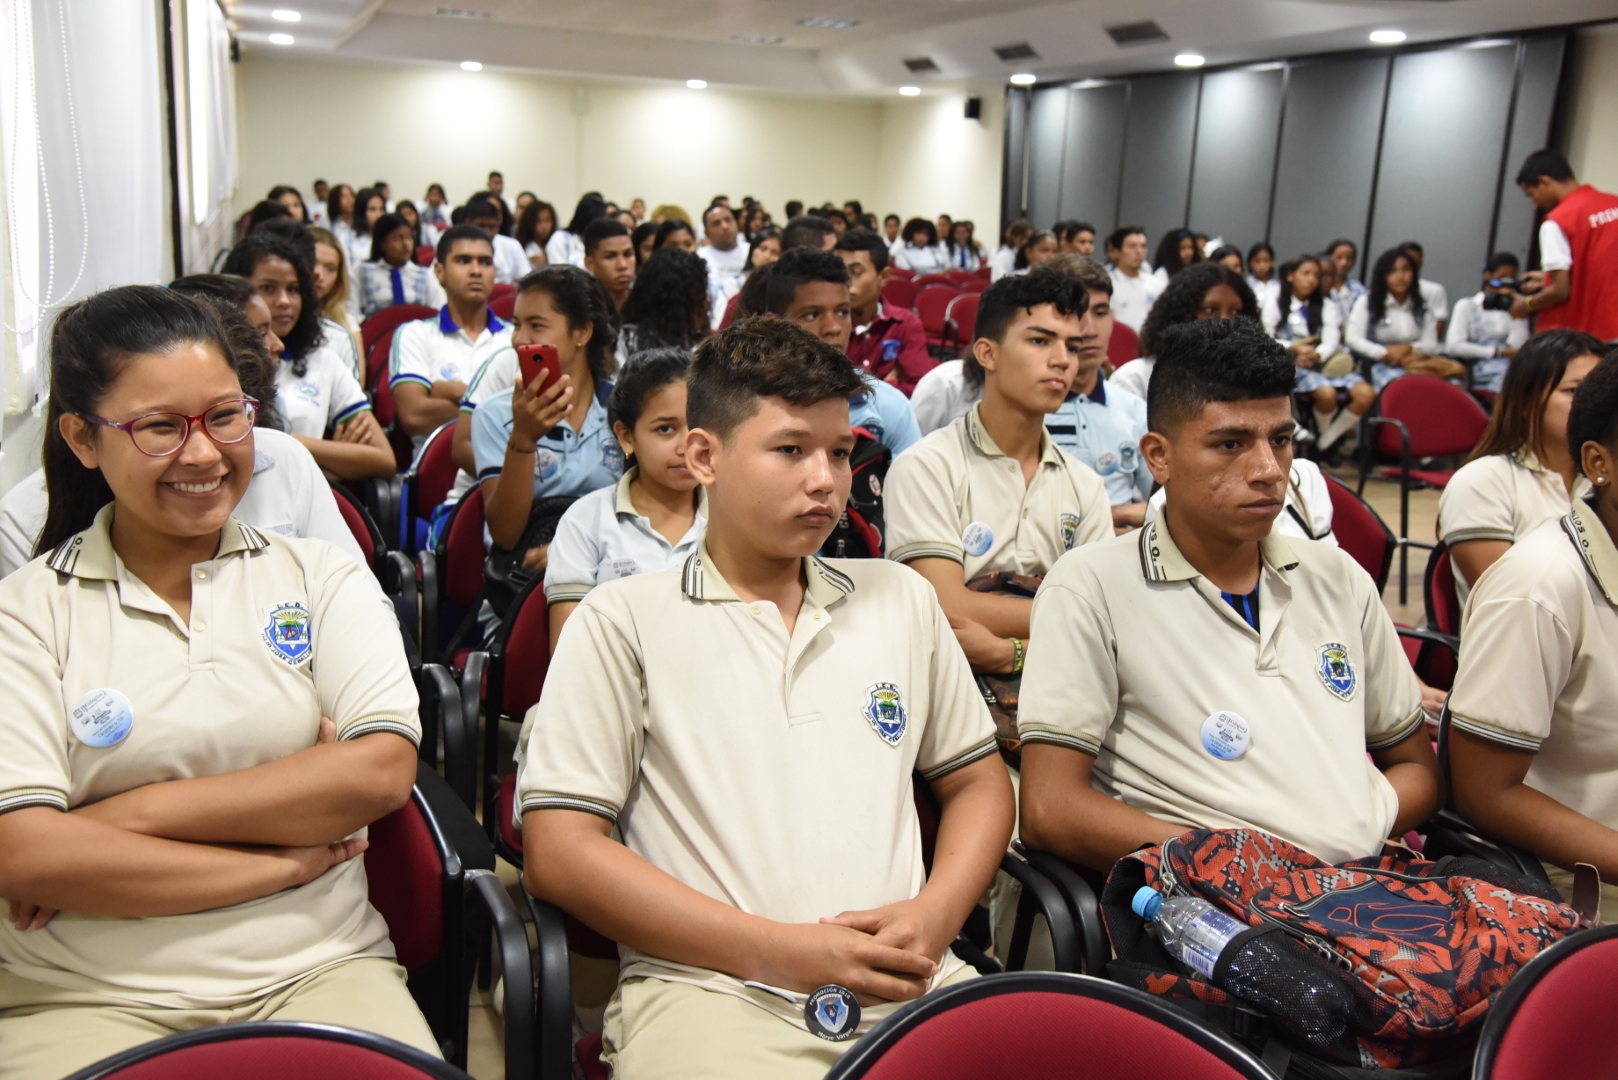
[(886, 711), (287, 632), (1337, 670), (1070, 529)]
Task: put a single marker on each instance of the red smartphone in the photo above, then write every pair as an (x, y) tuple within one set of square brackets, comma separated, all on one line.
[(540, 365)]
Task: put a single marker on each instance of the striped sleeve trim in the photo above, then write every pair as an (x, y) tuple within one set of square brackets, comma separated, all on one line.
[(545, 800), (1461, 536), (565, 592), (410, 377), (352, 411), (1514, 740), (928, 549), (1399, 734), (383, 724), (491, 473), (24, 797), (961, 760), (1038, 733)]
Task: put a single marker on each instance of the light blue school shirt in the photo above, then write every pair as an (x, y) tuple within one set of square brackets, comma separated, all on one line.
[(885, 412), (1103, 429)]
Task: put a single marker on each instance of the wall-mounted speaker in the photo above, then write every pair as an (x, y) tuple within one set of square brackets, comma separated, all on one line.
[(974, 108)]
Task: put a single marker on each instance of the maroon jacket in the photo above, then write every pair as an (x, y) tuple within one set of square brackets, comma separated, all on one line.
[(893, 347)]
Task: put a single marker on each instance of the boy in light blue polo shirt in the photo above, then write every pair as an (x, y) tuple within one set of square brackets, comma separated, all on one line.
[(1102, 425)]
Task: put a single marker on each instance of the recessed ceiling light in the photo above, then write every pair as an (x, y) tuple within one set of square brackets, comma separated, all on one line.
[(1023, 78), (696, 84), (1190, 59), (285, 15), (280, 39), (471, 65), (1387, 37), (909, 91), (821, 22), (757, 39)]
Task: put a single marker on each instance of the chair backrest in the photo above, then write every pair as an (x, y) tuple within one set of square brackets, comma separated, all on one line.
[(504, 289), (983, 274), (972, 284), (366, 533), (931, 304), (525, 650), (1043, 1024), (1443, 420), (1124, 344), (1361, 532), (900, 292), (462, 565), (389, 317), (504, 305), (961, 278), (271, 1050), (963, 312), (934, 279), (1443, 599), (426, 254), (404, 868), (1555, 1017), (433, 473)]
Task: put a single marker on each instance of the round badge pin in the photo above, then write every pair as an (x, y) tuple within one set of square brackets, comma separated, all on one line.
[(977, 538), (832, 1013), (1226, 736), (102, 718)]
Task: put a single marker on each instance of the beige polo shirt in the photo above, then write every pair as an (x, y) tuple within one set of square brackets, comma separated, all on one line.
[(1539, 661), (1134, 653), (954, 495), (283, 631), (1500, 497), (770, 772)]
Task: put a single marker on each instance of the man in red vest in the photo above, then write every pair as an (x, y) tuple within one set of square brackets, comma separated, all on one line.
[(1578, 250)]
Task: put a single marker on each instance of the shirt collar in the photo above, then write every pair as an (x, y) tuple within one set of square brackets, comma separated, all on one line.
[(89, 554), (1048, 454), (701, 580), (883, 315), (1161, 560), (623, 504), (1583, 526), (1098, 396), (448, 325)]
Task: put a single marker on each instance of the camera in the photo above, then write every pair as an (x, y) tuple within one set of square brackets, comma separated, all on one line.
[(1497, 301)]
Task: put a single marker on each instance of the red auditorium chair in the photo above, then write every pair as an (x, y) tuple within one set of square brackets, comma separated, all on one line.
[(504, 289), (1421, 417), (932, 302), (451, 580), (1555, 1017), (426, 255), (935, 279), (983, 274), (388, 318), (504, 306), (961, 278), (1361, 532), (366, 533), (1043, 1024), (271, 1050), (900, 292), (961, 317), (973, 284), (899, 273), (427, 483), (1123, 346)]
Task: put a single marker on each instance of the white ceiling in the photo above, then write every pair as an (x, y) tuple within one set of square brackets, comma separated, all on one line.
[(732, 42)]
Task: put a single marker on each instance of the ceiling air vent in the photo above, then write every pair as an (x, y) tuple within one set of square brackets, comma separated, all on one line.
[(1020, 51), (1137, 33), (922, 65), (461, 13)]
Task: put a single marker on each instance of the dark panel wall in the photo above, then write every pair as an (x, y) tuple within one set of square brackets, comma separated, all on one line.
[(1238, 124), (1161, 126), (1095, 146)]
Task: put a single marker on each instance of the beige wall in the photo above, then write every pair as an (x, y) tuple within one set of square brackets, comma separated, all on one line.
[(412, 126), (1592, 122)]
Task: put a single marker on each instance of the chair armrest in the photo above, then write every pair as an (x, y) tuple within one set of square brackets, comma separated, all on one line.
[(477, 663), (1040, 896), (1404, 437), (401, 577), (431, 594), (511, 937), (456, 825), (1450, 834), (554, 1010), (1083, 906), (1419, 633), (441, 698)]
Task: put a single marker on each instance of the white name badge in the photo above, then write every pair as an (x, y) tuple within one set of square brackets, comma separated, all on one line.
[(977, 538), (102, 718), (1226, 736)]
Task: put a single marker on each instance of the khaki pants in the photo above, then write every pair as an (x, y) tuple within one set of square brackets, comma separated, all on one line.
[(676, 1031), (1563, 882), (47, 1033)]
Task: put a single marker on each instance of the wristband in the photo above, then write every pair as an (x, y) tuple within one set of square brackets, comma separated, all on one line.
[(515, 449), (1018, 651)]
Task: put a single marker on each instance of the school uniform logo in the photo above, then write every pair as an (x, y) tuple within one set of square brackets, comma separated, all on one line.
[(832, 1013), (1070, 530), (1337, 670), (546, 464), (1126, 457), (886, 711), (612, 456), (309, 390), (1106, 463), (287, 632)]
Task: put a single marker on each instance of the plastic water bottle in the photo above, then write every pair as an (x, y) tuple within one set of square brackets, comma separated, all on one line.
[(1192, 930)]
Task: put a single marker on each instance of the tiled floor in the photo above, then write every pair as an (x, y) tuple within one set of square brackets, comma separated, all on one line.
[(485, 1051)]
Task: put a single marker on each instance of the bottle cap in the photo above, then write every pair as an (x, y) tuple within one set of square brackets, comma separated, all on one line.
[(1145, 902)]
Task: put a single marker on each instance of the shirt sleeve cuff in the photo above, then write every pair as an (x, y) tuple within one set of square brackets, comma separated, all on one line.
[(566, 592), (25, 797), (961, 760), (928, 549), (390, 724), (1512, 740), (1072, 740), (550, 800), (1400, 733)]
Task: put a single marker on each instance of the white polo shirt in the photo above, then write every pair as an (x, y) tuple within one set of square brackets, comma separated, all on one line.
[(564, 249), (511, 263), (437, 350), (1501, 497), (725, 263), (320, 399), (771, 772), (1133, 297), (288, 495), (1133, 655), (1537, 661), (942, 397), (340, 339), (603, 537), (955, 495), (282, 632)]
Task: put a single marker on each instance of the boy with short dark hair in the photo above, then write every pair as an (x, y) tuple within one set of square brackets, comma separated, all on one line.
[(888, 342), (1283, 646), (735, 720), (609, 256)]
